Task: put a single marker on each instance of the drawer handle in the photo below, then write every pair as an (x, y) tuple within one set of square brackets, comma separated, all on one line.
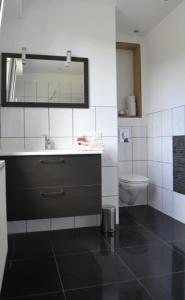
[(47, 161), (45, 194)]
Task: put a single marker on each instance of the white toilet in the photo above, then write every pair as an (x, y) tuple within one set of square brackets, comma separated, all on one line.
[(132, 188)]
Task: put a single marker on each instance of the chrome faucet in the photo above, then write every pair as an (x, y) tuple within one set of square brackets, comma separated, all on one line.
[(47, 142)]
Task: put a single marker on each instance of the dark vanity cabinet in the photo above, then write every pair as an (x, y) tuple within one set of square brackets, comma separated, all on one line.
[(53, 186)]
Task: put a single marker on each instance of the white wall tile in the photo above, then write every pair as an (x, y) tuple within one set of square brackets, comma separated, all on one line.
[(150, 149), (30, 99), (157, 149), (140, 167), (157, 173), (43, 100), (132, 122), (150, 125), (125, 151), (61, 143), (85, 221), (62, 223), (109, 181), (157, 124), (42, 89), (151, 172), (34, 144), (54, 90), (168, 204), (38, 225), (167, 178), (155, 197), (167, 153), (30, 89), (84, 121), (139, 149), (139, 131), (60, 122), (36, 122), (106, 121), (12, 122), (12, 144), (167, 122), (110, 155), (178, 120), (125, 167), (19, 88), (179, 207), (16, 227)]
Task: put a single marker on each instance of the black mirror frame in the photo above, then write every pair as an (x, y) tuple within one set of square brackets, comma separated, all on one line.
[(4, 56)]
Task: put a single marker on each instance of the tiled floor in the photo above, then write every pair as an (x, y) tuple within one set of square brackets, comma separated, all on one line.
[(144, 260)]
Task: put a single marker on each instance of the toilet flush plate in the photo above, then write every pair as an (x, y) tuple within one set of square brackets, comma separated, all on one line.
[(124, 135)]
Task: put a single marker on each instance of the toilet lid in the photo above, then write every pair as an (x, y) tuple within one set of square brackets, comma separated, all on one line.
[(133, 178)]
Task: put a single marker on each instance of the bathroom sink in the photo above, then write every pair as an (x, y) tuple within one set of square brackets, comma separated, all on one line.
[(65, 151)]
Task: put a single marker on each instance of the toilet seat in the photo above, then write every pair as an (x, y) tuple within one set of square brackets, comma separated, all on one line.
[(127, 178)]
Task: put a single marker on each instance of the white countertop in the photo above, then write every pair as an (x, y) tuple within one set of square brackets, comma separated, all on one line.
[(2, 164), (51, 152)]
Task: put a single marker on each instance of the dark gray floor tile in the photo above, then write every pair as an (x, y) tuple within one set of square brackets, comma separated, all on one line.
[(152, 259), (170, 287), (126, 218), (144, 214), (79, 240), (30, 277), (31, 245), (131, 236), (122, 291), (93, 268), (10, 246), (178, 246), (169, 230)]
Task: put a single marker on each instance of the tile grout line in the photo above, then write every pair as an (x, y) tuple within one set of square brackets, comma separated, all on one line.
[(49, 127), (161, 275), (99, 285), (58, 271), (133, 274), (138, 281), (73, 135), (167, 243), (164, 242)]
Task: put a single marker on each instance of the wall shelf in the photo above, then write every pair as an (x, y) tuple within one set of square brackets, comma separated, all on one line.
[(136, 49)]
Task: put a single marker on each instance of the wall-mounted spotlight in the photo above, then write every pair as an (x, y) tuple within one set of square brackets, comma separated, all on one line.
[(68, 58), (1, 10), (23, 55)]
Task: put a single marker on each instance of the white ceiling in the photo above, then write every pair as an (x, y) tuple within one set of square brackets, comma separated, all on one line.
[(130, 14), (141, 14)]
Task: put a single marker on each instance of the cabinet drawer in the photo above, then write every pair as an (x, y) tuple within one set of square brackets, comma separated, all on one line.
[(53, 202), (35, 171)]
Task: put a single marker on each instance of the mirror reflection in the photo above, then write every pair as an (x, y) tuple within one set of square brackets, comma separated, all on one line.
[(44, 81)]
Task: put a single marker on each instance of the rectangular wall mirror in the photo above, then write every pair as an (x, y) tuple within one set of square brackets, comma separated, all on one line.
[(44, 81)]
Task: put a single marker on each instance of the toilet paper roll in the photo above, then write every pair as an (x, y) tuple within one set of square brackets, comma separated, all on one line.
[(131, 99), (132, 109)]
